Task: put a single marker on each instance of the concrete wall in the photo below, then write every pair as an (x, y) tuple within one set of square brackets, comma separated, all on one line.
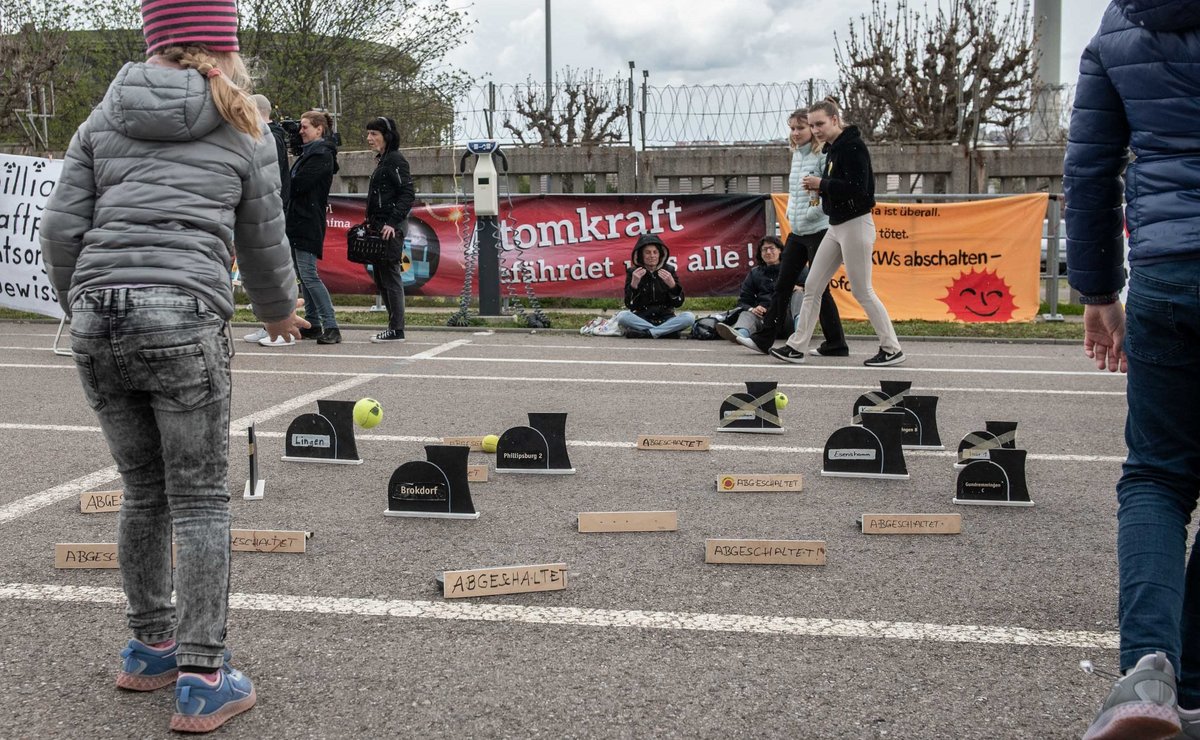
[(899, 168)]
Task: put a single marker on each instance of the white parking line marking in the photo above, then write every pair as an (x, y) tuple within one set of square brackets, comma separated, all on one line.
[(613, 381), (431, 354), (607, 618), (905, 370), (33, 502)]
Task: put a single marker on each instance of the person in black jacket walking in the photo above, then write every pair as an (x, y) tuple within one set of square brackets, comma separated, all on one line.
[(847, 190), (652, 293), (390, 197), (312, 176)]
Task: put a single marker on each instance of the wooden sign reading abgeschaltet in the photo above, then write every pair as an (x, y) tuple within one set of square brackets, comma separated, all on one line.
[(765, 552), (514, 579), (673, 443)]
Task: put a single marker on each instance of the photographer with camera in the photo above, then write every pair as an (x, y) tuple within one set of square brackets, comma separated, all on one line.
[(390, 197), (312, 176)]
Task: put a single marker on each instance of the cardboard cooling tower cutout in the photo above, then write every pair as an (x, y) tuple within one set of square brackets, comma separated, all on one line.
[(324, 437), (540, 447), (435, 488), (919, 431), (978, 445), (753, 411), (996, 481), (872, 450)]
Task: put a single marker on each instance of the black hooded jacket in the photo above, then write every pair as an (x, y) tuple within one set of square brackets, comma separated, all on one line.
[(312, 176), (848, 185), (652, 299)]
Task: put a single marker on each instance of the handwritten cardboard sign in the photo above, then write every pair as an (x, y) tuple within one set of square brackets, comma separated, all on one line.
[(99, 502), (477, 473), (673, 443), (514, 579), (739, 482), (89, 555), (765, 552), (266, 540), (912, 523), (85, 555), (475, 443), (628, 521)]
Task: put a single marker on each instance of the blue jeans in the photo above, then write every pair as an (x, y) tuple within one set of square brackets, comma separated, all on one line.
[(155, 368), (1160, 590), (681, 321), (318, 306)]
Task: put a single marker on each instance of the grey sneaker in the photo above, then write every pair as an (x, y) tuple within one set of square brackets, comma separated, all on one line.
[(725, 331), (749, 343), (1190, 719), (1141, 705)]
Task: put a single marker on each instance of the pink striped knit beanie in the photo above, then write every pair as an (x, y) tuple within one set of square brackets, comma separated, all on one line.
[(212, 24)]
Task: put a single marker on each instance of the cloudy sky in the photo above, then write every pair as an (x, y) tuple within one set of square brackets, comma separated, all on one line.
[(689, 41)]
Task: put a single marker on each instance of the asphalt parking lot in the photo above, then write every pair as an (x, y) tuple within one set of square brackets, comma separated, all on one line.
[(976, 635)]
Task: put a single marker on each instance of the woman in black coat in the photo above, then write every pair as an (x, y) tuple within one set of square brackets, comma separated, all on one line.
[(389, 199), (312, 176)]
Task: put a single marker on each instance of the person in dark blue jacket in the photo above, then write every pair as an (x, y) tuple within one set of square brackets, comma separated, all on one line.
[(1139, 92), (758, 290)]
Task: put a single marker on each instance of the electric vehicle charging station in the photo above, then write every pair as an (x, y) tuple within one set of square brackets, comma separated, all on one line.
[(486, 195)]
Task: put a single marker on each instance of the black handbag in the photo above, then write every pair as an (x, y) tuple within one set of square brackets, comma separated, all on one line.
[(365, 244)]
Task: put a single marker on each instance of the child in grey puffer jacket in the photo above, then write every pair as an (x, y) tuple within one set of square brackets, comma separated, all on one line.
[(163, 178)]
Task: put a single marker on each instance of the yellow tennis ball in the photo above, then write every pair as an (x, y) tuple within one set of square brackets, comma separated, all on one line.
[(781, 401), (489, 443), (367, 413)]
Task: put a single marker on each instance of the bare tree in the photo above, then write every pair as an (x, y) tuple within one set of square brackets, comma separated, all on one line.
[(589, 113), (33, 46), (386, 56), (943, 76)]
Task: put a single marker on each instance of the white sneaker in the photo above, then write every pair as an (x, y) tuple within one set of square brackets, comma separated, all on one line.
[(277, 341), (256, 336)]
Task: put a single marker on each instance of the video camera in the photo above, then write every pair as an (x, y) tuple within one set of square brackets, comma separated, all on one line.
[(295, 144)]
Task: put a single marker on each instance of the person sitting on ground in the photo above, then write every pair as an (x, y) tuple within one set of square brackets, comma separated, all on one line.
[(757, 291), (652, 293)]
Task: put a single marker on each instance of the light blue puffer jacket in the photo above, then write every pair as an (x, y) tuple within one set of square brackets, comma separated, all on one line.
[(805, 218), (157, 188)]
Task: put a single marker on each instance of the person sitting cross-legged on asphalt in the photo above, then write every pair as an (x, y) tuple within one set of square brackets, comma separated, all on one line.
[(652, 293), (758, 290)]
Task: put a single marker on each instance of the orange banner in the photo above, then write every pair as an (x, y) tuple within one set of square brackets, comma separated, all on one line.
[(975, 261)]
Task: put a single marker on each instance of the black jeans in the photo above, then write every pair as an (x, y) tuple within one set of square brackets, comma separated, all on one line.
[(391, 287), (799, 251)]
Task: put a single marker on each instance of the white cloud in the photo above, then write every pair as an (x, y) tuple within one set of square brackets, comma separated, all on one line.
[(689, 41)]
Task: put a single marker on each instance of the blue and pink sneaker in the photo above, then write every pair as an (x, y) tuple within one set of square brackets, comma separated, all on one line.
[(147, 668), (203, 706)]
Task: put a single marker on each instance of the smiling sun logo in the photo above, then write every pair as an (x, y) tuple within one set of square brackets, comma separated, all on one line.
[(980, 296)]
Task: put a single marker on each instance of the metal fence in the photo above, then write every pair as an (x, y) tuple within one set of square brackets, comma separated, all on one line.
[(698, 115)]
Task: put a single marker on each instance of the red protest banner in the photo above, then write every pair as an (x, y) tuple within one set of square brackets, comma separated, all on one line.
[(570, 245)]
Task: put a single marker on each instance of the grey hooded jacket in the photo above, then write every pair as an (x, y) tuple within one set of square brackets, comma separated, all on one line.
[(156, 189)]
